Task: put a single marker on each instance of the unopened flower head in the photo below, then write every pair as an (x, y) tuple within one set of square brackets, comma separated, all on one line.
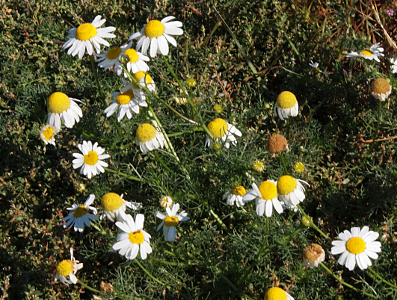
[(222, 132), (286, 105), (299, 167), (191, 82), (258, 166), (91, 160), (79, 216), (356, 247), (68, 268), (380, 89), (277, 143), (276, 293), (372, 53), (170, 221), (235, 196), (313, 255), (125, 103), (305, 221), (63, 109), (87, 37), (148, 138), (156, 35), (110, 58), (290, 191), (166, 201), (218, 108), (48, 133), (114, 206)]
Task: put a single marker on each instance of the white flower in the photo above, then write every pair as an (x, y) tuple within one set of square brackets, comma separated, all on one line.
[(126, 103), (47, 134), (114, 206), (166, 201), (91, 160), (222, 132), (276, 293), (87, 35), (235, 196), (144, 80), (315, 66), (313, 255), (136, 61), (394, 65), (170, 221), (68, 268), (133, 239), (356, 247), (79, 216), (290, 191), (62, 108), (110, 58), (372, 53), (148, 138), (156, 34), (286, 105)]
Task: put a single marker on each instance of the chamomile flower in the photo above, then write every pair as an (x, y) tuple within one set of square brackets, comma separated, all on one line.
[(114, 206), (276, 293), (356, 246), (79, 216), (136, 61), (110, 58), (380, 89), (91, 160), (265, 195), (299, 167), (313, 255), (170, 221), (277, 143), (315, 65), (222, 132), (235, 196), (286, 105), (125, 103), (63, 109), (47, 134), (180, 100), (68, 268), (156, 34), (290, 191), (372, 53), (258, 166), (88, 35), (148, 138), (133, 239), (393, 65), (166, 201)]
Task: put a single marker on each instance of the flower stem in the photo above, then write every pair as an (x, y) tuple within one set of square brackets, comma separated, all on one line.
[(311, 222), (123, 174), (381, 278), (218, 219), (88, 287), (96, 78), (150, 275), (283, 163), (377, 127), (162, 163), (101, 231)]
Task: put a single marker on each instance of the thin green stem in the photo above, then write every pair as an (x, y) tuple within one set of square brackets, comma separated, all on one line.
[(311, 222), (123, 174), (381, 278), (101, 231), (218, 219), (377, 127), (88, 287), (184, 132), (283, 163), (150, 275), (287, 128), (162, 163), (96, 78)]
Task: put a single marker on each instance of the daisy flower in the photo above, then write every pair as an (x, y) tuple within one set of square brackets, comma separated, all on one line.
[(68, 268), (222, 132), (114, 206), (313, 255), (235, 196), (156, 34), (286, 105), (380, 89), (170, 221), (265, 196), (133, 239), (290, 191), (315, 66), (394, 65), (79, 216), (62, 108), (91, 160), (166, 201), (110, 58), (258, 166), (356, 247), (276, 293), (87, 35), (144, 79), (148, 138), (136, 61), (47, 134), (126, 103), (372, 53)]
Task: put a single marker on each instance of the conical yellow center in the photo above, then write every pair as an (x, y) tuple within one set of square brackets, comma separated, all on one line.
[(58, 102), (145, 133), (85, 32), (355, 245), (111, 201), (239, 190), (268, 190), (218, 128), (286, 100), (132, 54), (286, 184), (125, 98), (80, 211), (154, 29), (380, 86), (48, 133), (275, 293), (171, 221), (91, 158), (139, 75), (65, 268), (366, 52), (136, 237), (113, 53)]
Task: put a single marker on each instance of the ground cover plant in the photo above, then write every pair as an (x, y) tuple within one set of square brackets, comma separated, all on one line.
[(198, 150)]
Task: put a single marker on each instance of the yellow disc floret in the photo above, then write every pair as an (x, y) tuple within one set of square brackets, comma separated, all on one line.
[(286, 100), (145, 133), (239, 191), (171, 221), (355, 245), (91, 158), (136, 237), (80, 211), (111, 201), (380, 86), (258, 166), (366, 52), (191, 82), (154, 29), (65, 268), (58, 103), (113, 53), (275, 293), (139, 75), (299, 167), (125, 98), (48, 133), (85, 32), (286, 184), (218, 128), (132, 54), (268, 190)]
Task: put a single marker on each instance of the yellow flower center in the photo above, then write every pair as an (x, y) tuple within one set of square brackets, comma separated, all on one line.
[(268, 190), (125, 98), (48, 133), (218, 109), (91, 158), (239, 190), (286, 184), (80, 211), (366, 52), (85, 32), (258, 166), (58, 102), (111, 201), (299, 167), (65, 268), (136, 237), (275, 293), (286, 100), (191, 82), (171, 221), (132, 54), (218, 128), (139, 75), (154, 29), (380, 86), (355, 245), (113, 53), (145, 133), (217, 146)]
